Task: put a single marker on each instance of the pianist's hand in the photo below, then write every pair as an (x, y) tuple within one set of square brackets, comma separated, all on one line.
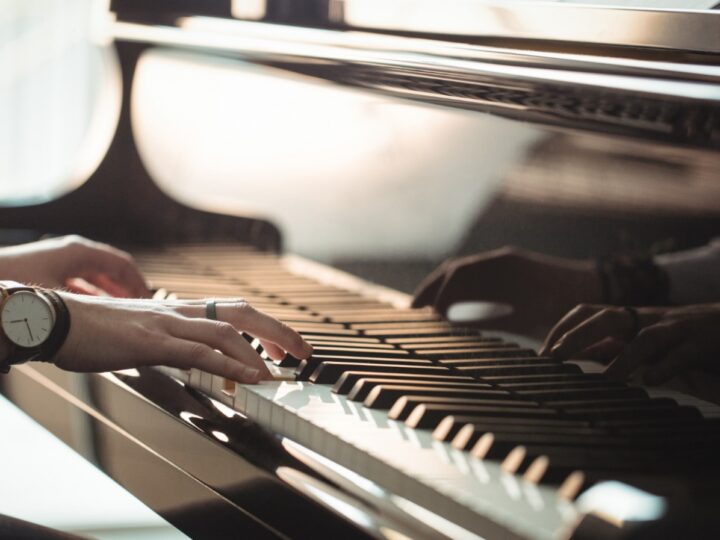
[(109, 334), (539, 288), (670, 341), (74, 262)]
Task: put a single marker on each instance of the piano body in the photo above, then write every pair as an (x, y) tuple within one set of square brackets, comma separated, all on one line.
[(605, 122)]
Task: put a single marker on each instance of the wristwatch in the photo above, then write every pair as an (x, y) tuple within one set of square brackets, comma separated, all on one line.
[(33, 321)]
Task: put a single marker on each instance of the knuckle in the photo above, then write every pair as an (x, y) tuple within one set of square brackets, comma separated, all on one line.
[(73, 239), (225, 330), (244, 309), (227, 365), (198, 350), (74, 242), (295, 340)]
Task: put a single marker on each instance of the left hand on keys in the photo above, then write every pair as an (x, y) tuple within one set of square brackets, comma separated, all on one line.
[(664, 342), (81, 265)]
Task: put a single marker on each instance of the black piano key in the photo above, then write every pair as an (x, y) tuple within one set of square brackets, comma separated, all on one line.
[(634, 403), (539, 368), (288, 361), (318, 326), (429, 415), (363, 387), (352, 310), (325, 351), (384, 396), (589, 437), (465, 343), (479, 352), (416, 332), (449, 427), (345, 350), (385, 317), (672, 417), (346, 382), (413, 341), (404, 406), (470, 433), (496, 445), (680, 428), (309, 332), (502, 380), (619, 460), (403, 325), (343, 340), (585, 394), (494, 361), (560, 385), (307, 366), (330, 372), (352, 350), (642, 413)]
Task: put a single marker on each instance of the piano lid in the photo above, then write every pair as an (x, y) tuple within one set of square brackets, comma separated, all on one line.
[(655, 24)]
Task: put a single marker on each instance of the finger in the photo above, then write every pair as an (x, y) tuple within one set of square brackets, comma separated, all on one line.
[(218, 335), (682, 358), (106, 283), (573, 318), (81, 286), (185, 354), (609, 322), (646, 348), (116, 264), (428, 289), (272, 350), (247, 319), (456, 286)]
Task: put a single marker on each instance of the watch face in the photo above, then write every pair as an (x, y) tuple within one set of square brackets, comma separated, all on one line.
[(27, 318)]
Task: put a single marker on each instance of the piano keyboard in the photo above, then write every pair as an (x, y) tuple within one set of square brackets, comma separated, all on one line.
[(475, 428)]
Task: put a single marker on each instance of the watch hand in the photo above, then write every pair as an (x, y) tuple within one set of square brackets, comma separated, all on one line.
[(19, 320), (29, 331)]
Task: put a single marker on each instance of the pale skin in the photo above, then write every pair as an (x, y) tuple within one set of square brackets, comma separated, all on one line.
[(109, 333)]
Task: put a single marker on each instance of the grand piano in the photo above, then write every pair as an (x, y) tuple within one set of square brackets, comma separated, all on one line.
[(242, 127)]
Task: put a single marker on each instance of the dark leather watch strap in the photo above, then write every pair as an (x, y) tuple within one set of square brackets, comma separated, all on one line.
[(59, 333)]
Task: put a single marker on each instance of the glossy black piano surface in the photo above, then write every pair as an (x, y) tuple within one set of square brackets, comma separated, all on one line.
[(379, 145)]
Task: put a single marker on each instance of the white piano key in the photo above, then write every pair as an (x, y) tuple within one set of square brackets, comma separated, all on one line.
[(195, 375)]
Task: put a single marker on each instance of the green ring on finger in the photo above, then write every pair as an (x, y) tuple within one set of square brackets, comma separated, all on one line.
[(211, 310)]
